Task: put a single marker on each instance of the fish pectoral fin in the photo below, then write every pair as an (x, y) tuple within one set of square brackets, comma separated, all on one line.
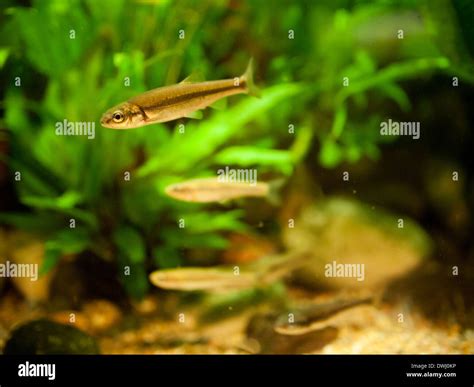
[(220, 104), (197, 115), (195, 76)]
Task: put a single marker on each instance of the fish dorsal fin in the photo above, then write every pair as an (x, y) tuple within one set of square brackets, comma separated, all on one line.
[(195, 76)]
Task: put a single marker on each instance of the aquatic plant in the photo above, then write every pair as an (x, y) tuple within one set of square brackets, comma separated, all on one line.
[(105, 193), (321, 67)]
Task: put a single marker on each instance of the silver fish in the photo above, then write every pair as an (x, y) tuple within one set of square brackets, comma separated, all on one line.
[(176, 101)]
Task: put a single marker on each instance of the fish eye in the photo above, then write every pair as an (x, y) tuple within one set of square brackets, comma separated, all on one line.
[(117, 116)]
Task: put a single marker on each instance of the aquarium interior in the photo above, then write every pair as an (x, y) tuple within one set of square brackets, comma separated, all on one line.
[(363, 246)]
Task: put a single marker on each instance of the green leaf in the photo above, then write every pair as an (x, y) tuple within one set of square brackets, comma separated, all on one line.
[(67, 200), (31, 181), (353, 153), (331, 154), (62, 206), (70, 241), (166, 257), (211, 240), (131, 260), (51, 258), (16, 116), (248, 155), (136, 280), (302, 143), (46, 35), (339, 121), (32, 222), (130, 244), (397, 94), (394, 72), (203, 222), (4, 52)]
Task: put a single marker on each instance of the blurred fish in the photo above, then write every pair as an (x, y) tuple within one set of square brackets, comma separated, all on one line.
[(208, 190), (261, 338), (199, 278), (261, 273), (176, 101), (316, 316), (309, 332)]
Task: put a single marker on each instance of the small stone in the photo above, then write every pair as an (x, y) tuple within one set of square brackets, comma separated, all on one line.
[(147, 306), (102, 315)]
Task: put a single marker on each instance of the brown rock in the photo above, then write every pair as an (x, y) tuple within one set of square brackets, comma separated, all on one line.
[(345, 232), (28, 249)]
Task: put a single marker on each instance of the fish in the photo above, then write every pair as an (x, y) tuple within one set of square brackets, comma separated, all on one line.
[(315, 316), (261, 338), (209, 190), (303, 328), (200, 278), (172, 102), (267, 270)]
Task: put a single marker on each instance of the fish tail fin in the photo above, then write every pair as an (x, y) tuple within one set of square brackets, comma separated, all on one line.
[(274, 188), (247, 78)]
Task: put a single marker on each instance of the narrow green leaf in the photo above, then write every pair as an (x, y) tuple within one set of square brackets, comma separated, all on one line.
[(249, 155)]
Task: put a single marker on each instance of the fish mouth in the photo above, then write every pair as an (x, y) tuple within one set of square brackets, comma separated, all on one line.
[(106, 122), (106, 125), (169, 190), (103, 122)]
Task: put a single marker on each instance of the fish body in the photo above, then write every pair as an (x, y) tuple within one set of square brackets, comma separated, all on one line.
[(264, 272), (315, 316), (198, 278), (209, 190), (176, 101), (261, 338)]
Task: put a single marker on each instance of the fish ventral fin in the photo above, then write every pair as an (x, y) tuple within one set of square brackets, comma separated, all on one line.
[(247, 77), (197, 115), (220, 104)]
